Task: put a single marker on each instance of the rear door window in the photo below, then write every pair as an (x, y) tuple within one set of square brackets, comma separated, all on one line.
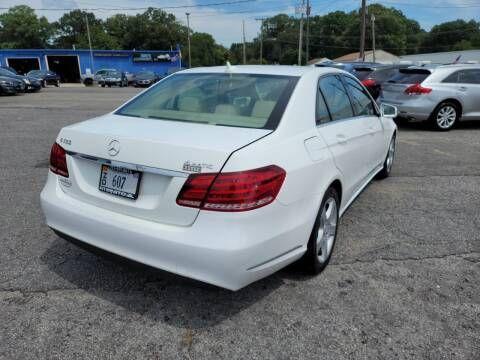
[(362, 104), (469, 76), (336, 97), (410, 76), (322, 114)]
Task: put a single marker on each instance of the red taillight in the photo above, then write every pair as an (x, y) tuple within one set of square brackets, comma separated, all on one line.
[(417, 89), (369, 82), (234, 191), (58, 160)]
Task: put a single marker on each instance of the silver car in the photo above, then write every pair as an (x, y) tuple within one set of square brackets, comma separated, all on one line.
[(442, 95)]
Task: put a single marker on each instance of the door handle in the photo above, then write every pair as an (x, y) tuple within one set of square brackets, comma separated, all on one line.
[(342, 139), (462, 88)]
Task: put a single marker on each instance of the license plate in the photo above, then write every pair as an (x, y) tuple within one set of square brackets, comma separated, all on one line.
[(119, 181)]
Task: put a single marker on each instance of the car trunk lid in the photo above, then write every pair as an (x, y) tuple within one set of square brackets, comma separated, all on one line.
[(166, 152)]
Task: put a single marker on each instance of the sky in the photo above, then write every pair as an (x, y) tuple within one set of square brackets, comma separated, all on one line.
[(224, 21)]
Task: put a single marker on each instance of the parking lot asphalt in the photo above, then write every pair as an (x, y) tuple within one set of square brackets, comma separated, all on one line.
[(403, 283)]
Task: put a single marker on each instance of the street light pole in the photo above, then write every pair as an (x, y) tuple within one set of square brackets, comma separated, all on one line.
[(300, 35), (373, 37), (362, 30), (90, 45), (188, 37), (307, 51), (244, 46)]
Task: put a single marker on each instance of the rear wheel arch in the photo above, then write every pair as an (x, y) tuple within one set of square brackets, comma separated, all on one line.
[(455, 102), (337, 185)]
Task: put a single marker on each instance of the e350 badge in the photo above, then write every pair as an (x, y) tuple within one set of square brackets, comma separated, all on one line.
[(191, 166)]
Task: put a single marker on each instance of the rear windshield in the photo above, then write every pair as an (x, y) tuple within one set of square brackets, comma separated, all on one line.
[(239, 100), (362, 73), (410, 76)]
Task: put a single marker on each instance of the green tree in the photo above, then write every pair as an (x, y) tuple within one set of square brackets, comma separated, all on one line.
[(71, 29), (21, 28), (205, 52), (453, 35)]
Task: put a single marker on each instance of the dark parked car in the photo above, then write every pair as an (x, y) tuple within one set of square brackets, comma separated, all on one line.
[(112, 78), (361, 70), (47, 77), (11, 86), (31, 84), (146, 78), (12, 70)]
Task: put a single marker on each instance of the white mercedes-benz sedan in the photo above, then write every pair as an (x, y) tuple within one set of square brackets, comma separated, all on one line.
[(222, 174)]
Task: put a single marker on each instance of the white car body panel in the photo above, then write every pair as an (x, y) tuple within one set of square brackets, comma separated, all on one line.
[(228, 249)]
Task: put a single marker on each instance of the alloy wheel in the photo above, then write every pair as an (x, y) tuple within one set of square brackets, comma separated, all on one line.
[(391, 154), (446, 117), (327, 229)]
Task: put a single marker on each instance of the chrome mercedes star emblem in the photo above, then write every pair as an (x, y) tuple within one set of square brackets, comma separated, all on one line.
[(113, 147)]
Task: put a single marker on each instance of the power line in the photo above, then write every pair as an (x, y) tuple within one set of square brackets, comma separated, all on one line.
[(460, 6), (144, 8)]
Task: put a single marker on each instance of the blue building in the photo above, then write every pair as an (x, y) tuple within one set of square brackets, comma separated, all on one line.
[(73, 65)]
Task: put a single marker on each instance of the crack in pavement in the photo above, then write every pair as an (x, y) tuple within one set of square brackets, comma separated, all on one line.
[(46, 292), (411, 258)]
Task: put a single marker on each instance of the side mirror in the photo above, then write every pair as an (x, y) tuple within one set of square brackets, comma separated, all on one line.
[(388, 111)]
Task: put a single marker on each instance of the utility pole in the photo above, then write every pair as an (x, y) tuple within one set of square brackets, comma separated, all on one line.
[(307, 51), (373, 36), (362, 30), (300, 35), (188, 39), (244, 46), (90, 45), (261, 38)]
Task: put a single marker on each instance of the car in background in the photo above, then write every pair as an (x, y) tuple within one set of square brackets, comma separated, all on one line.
[(145, 79), (268, 157), (100, 73), (130, 77), (31, 83), (442, 95), (47, 77), (12, 70), (11, 86), (113, 78), (360, 69), (374, 79)]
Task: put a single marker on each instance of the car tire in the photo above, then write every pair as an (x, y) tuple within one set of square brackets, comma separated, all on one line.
[(388, 163), (445, 116), (319, 250)]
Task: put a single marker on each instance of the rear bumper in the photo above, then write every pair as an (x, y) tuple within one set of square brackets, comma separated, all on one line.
[(229, 250), (415, 109)]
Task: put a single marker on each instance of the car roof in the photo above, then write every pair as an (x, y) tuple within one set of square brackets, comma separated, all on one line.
[(459, 66), (286, 70)]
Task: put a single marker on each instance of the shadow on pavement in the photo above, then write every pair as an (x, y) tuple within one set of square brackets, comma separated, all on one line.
[(154, 293), (425, 125)]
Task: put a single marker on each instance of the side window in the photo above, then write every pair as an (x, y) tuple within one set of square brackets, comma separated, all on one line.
[(452, 78), (361, 101), (322, 114), (336, 97), (471, 76)]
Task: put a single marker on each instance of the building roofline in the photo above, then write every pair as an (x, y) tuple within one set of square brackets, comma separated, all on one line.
[(87, 50)]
